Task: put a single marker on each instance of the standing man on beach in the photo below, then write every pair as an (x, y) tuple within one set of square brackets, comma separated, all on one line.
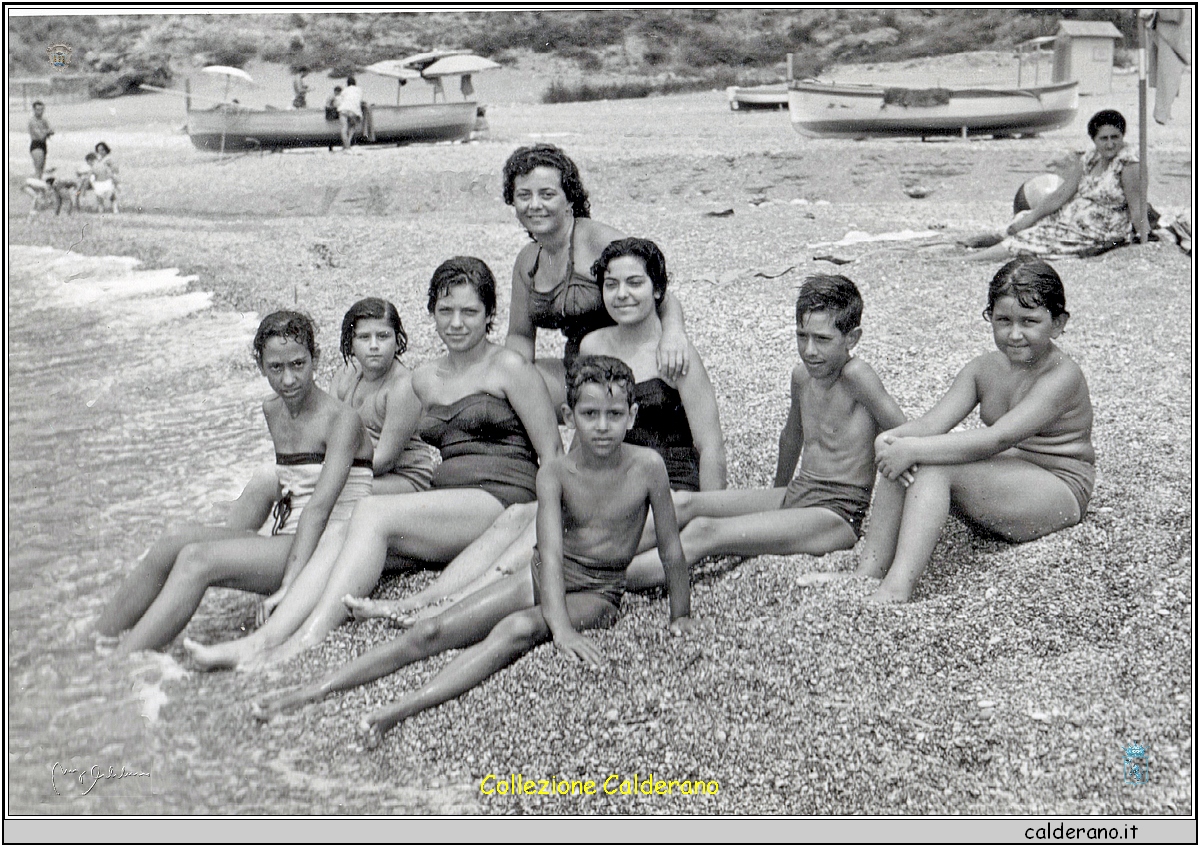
[(39, 131), (350, 112)]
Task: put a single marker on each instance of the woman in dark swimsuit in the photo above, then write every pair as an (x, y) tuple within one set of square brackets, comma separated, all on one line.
[(487, 411), (553, 286)]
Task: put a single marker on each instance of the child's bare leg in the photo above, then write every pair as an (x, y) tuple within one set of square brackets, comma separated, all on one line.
[(147, 579), (433, 526), (461, 625), (1008, 496), (879, 544), (485, 560), (508, 640), (646, 571), (295, 608), (253, 506), (248, 563)]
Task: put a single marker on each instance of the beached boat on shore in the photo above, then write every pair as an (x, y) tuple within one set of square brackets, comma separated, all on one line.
[(839, 110), (232, 127), (774, 96)]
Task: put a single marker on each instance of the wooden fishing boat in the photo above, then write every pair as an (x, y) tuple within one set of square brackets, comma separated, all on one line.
[(230, 126), (839, 110), (773, 96)]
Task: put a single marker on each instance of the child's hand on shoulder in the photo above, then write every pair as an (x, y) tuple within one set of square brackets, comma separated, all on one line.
[(577, 646), (683, 626)]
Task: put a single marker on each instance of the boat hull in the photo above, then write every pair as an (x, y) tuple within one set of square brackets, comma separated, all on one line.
[(827, 110), (757, 97), (250, 129)]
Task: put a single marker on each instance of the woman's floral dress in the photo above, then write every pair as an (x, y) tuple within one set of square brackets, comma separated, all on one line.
[(1096, 219)]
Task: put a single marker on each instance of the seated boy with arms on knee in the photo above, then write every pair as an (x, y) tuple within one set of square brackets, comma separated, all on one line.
[(592, 505), (838, 407)]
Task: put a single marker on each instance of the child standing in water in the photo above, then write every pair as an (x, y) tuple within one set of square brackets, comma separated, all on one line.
[(592, 504), (1027, 473), (323, 457)]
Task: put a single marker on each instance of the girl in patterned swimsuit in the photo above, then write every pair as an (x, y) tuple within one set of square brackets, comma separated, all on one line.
[(677, 418), (323, 448), (487, 410)]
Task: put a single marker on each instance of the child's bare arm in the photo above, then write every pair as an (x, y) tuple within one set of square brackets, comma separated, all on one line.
[(402, 414), (792, 437), (704, 420), (550, 546), (340, 447), (868, 389), (670, 549), (948, 412), (1047, 401)]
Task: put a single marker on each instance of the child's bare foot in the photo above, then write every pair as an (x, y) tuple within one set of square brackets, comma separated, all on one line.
[(277, 703), (212, 658), (883, 597), (807, 580), (364, 608), (370, 734)]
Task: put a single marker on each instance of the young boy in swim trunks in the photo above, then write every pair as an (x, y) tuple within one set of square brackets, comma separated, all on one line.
[(592, 504), (838, 408)]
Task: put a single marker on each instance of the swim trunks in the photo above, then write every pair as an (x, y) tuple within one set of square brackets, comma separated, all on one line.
[(662, 425), (37, 144), (298, 474), (848, 502), (581, 573), (483, 445), (1079, 475), (575, 305), (415, 462)]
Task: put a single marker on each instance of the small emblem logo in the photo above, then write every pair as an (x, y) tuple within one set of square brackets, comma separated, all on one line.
[(60, 55), (1137, 771)]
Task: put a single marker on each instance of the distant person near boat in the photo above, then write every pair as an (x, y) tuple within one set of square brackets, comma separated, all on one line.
[(300, 88), (39, 132), (350, 112)]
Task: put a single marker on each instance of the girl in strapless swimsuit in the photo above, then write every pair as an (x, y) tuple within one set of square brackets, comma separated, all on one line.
[(324, 456), (487, 410)]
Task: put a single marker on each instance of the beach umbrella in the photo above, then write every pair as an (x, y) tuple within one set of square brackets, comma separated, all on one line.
[(229, 73), (460, 64), (420, 61), (394, 68)]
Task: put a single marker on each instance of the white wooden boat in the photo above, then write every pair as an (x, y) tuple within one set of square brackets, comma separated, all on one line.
[(840, 110), (773, 96), (234, 127)]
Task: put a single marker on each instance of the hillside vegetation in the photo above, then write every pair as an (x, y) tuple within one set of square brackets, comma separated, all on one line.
[(692, 43)]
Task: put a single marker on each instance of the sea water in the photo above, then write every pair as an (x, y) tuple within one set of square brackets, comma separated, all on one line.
[(132, 404)]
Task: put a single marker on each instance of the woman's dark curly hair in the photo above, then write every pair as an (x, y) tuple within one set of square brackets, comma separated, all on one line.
[(1106, 117), (525, 159)]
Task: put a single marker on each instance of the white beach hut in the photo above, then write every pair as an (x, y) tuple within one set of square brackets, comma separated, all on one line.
[(1083, 50)]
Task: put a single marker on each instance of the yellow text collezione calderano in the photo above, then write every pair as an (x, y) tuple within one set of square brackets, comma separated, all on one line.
[(613, 784)]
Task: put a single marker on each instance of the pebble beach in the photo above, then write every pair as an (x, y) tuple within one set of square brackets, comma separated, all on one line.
[(1009, 686)]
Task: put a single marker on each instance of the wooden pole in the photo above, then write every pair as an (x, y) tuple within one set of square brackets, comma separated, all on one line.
[(1144, 180)]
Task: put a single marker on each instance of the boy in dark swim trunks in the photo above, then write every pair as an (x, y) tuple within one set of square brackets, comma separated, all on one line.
[(838, 408), (592, 504)]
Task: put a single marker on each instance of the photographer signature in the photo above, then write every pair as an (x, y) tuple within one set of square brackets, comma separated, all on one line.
[(90, 776)]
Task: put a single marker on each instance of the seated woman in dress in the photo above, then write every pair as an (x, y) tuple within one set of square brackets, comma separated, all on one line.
[(1099, 204), (487, 411)]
